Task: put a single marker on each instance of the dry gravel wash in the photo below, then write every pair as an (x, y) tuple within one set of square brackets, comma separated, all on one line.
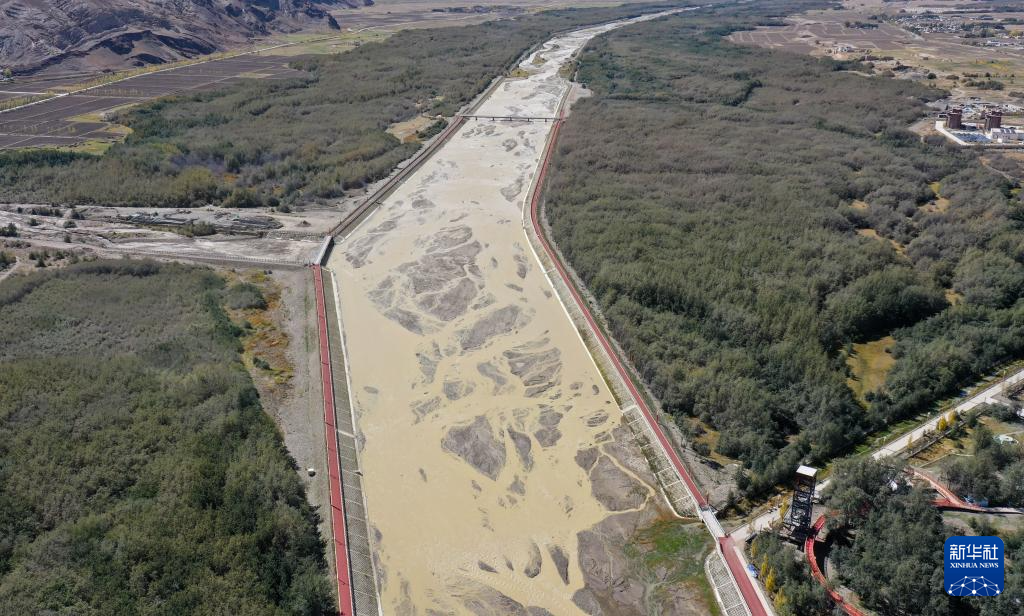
[(491, 446)]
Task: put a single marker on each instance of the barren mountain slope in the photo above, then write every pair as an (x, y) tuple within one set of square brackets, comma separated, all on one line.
[(99, 34)]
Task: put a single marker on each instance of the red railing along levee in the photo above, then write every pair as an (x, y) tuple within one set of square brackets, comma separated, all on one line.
[(633, 391), (746, 588), (346, 606)]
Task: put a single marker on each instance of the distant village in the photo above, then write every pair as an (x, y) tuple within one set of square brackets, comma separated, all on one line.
[(987, 29)]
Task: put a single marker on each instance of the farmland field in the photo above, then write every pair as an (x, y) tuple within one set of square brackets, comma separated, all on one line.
[(856, 31), (52, 122)]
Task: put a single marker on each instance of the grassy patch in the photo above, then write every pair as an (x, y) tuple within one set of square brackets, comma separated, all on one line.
[(323, 44), (899, 248), (252, 302), (95, 147), (102, 117), (406, 131), (669, 539), (869, 364), (673, 552), (711, 437)]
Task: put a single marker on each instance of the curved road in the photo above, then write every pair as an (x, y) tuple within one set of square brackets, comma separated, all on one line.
[(898, 445)]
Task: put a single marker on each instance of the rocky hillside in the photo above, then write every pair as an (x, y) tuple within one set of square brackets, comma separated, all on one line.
[(87, 35)]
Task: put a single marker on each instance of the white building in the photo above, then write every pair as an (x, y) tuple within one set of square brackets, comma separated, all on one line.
[(1006, 134)]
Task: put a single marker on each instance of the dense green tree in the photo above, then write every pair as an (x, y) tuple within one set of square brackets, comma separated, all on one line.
[(795, 592), (138, 472), (894, 562), (880, 301), (858, 485), (1011, 600), (741, 215), (1011, 486), (995, 471)]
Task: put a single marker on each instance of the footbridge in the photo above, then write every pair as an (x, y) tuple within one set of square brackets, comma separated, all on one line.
[(516, 118)]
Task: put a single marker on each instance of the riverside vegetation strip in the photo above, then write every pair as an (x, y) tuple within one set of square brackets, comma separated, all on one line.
[(705, 194), (138, 471), (261, 143)]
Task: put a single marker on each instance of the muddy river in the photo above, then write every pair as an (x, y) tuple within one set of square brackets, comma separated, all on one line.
[(490, 442)]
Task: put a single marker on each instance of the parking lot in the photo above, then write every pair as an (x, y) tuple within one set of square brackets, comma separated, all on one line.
[(59, 122)]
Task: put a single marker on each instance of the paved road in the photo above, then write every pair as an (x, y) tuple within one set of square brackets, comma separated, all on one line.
[(897, 445), (985, 397)]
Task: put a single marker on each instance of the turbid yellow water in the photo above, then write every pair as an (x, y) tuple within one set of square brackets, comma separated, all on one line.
[(473, 392)]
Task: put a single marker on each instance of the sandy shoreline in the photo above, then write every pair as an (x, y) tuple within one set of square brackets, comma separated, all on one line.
[(479, 408)]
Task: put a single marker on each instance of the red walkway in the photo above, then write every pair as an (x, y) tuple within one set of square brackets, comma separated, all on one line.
[(947, 500), (345, 603), (746, 587), (809, 544)]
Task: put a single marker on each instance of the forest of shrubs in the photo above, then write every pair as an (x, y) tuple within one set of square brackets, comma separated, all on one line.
[(270, 143), (710, 196), (138, 471)]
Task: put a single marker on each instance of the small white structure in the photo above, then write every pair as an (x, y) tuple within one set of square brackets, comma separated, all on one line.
[(1008, 137), (1006, 134), (807, 471)]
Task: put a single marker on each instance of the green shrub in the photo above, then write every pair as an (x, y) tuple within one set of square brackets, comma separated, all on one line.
[(244, 295)]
